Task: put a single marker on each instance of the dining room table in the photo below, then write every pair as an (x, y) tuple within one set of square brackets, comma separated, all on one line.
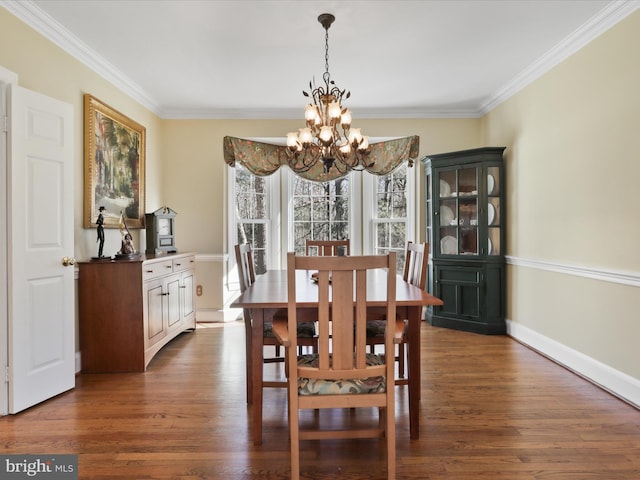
[(268, 295)]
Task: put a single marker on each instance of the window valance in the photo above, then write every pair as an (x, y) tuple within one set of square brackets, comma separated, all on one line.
[(264, 156)]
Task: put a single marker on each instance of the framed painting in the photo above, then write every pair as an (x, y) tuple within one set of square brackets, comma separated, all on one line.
[(114, 161)]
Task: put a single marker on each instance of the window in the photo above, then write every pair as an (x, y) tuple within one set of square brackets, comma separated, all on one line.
[(320, 211), (253, 197), (375, 212), (391, 217)]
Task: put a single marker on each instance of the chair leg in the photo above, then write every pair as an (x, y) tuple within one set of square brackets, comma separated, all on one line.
[(401, 360), (390, 434), (248, 359), (295, 444)]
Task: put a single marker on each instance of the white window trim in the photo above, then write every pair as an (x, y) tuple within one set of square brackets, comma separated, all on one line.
[(369, 208), (280, 230), (272, 225), (355, 200)]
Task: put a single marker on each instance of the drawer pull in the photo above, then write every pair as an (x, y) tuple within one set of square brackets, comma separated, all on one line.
[(178, 264), (149, 271)]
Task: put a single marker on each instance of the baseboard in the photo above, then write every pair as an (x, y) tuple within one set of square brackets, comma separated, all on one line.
[(209, 315), (78, 362), (613, 381)]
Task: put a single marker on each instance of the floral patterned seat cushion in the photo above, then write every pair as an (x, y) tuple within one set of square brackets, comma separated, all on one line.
[(315, 386), (305, 330), (376, 328)]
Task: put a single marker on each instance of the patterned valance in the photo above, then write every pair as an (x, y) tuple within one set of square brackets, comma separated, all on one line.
[(263, 158)]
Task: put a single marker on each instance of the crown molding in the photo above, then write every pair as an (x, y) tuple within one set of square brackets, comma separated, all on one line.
[(48, 27), (294, 114), (44, 24), (600, 23)]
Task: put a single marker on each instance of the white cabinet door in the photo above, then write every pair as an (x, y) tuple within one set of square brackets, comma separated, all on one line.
[(40, 231)]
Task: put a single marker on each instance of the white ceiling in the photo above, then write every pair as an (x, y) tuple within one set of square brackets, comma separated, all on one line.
[(253, 58)]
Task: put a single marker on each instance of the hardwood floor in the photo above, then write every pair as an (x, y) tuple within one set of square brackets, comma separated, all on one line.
[(491, 409)]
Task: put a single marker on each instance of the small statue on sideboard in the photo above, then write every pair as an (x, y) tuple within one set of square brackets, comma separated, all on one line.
[(127, 247), (100, 231), (127, 250)]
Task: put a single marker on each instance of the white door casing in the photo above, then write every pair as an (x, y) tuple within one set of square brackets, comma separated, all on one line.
[(6, 78), (41, 340)]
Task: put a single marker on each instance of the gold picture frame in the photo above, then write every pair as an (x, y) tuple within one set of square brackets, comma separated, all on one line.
[(114, 166)]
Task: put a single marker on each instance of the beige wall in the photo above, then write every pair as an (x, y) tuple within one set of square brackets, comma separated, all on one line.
[(195, 177), (45, 68), (572, 154), (573, 140)]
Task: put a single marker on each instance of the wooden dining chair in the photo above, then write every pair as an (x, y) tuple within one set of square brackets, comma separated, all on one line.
[(306, 330), (326, 247), (341, 374), (415, 273)]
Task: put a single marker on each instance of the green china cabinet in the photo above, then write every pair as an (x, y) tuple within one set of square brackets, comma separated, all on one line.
[(465, 215)]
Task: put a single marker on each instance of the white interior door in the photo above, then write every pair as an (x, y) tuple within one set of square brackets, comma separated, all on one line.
[(40, 231)]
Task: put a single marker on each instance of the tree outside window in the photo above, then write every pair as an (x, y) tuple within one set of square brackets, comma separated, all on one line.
[(252, 215)]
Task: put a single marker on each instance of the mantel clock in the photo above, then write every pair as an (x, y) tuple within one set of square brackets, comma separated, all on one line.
[(161, 231)]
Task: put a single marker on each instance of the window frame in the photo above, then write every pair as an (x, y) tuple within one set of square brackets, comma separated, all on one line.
[(355, 189), (272, 223), (369, 210), (361, 204)]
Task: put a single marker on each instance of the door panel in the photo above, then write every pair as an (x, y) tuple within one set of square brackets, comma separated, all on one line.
[(41, 289)]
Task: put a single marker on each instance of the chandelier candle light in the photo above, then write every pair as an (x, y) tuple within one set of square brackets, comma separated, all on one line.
[(321, 139)]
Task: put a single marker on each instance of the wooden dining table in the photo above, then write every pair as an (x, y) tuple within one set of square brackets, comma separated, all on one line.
[(268, 295)]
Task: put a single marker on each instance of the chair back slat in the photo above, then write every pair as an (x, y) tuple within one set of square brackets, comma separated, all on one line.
[(415, 266), (321, 248), (342, 310), (244, 261)]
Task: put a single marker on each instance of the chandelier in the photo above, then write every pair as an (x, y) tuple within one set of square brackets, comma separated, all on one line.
[(328, 136)]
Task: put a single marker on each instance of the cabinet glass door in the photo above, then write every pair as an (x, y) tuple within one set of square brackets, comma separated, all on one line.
[(493, 207), (458, 211)]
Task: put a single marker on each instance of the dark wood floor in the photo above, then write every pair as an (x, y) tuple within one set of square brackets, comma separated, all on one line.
[(491, 409)]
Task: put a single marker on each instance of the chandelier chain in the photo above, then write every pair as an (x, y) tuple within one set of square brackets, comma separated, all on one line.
[(326, 75)]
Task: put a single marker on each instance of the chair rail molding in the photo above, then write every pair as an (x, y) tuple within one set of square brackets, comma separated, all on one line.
[(602, 274)]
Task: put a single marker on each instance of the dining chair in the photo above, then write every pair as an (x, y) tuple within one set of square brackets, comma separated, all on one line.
[(327, 247), (341, 374), (306, 330), (415, 273)]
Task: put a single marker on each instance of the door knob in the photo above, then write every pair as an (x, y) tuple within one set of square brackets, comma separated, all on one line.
[(68, 261)]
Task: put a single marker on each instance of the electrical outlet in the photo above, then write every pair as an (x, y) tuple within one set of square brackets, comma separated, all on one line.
[(199, 290)]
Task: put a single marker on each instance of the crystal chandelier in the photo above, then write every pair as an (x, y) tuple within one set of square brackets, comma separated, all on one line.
[(328, 136)]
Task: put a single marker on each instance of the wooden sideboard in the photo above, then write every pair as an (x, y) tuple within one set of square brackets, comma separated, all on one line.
[(130, 309)]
